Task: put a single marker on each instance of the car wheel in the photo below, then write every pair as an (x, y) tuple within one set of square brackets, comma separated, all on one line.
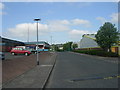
[(26, 54), (13, 53)]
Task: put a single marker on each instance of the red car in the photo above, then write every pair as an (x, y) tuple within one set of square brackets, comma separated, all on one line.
[(18, 50)]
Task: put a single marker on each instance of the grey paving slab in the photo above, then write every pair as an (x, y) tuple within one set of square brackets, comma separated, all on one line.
[(35, 78)]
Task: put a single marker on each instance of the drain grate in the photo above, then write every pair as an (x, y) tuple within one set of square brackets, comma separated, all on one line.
[(95, 78)]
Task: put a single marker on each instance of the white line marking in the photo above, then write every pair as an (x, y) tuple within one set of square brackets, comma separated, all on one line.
[(46, 65)]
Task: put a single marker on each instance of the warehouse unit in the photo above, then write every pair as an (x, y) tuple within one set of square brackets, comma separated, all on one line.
[(7, 44), (42, 45), (88, 43)]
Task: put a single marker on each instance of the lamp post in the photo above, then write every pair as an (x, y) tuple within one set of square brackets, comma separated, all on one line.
[(28, 34), (37, 39)]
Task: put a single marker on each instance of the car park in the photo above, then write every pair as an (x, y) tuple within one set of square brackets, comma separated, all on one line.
[(20, 50), (2, 56)]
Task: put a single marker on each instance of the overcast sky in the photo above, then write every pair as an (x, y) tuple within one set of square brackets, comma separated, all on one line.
[(64, 21)]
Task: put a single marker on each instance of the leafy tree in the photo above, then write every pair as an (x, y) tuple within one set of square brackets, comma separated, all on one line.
[(107, 36), (67, 46), (75, 46)]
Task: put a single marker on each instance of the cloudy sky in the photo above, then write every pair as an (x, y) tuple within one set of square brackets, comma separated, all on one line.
[(64, 21)]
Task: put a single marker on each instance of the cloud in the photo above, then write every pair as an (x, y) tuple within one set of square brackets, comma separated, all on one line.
[(2, 13), (21, 30), (101, 19), (113, 18), (81, 22), (59, 25), (78, 33), (2, 6)]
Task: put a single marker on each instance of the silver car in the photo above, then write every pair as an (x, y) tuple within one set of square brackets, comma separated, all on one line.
[(2, 56)]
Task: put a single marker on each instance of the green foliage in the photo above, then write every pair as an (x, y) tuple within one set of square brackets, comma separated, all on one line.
[(107, 36), (75, 46), (98, 53), (55, 48), (67, 46)]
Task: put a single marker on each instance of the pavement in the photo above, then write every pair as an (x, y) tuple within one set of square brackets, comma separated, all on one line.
[(31, 75)]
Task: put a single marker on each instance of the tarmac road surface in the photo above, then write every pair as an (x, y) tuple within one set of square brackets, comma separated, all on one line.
[(83, 71)]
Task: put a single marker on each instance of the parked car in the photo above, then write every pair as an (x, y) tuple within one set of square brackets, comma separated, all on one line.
[(19, 50), (32, 50), (2, 56)]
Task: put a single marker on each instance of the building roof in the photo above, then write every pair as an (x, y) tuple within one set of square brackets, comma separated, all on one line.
[(88, 41), (40, 42), (10, 40)]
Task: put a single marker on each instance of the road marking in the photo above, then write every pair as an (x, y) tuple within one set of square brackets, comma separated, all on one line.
[(46, 65), (96, 78)]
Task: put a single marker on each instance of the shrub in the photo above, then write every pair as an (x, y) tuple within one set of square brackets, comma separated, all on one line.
[(98, 53)]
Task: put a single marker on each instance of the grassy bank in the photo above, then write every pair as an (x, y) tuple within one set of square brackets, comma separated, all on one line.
[(97, 52)]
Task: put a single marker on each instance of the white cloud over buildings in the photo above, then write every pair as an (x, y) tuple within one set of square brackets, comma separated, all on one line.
[(78, 33), (67, 26), (113, 18), (2, 6), (81, 22), (21, 30)]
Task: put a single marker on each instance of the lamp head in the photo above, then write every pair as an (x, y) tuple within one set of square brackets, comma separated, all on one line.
[(37, 19)]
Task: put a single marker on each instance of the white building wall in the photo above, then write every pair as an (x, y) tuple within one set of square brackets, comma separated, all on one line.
[(88, 42)]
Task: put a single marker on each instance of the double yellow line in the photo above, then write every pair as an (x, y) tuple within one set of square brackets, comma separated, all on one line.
[(112, 77), (96, 78)]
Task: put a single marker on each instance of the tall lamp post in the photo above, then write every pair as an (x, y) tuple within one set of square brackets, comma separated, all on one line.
[(37, 39)]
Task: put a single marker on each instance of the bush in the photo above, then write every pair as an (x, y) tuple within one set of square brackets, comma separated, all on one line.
[(98, 53)]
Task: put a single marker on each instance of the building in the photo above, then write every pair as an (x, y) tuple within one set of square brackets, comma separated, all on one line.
[(60, 46), (42, 45), (88, 43), (7, 44)]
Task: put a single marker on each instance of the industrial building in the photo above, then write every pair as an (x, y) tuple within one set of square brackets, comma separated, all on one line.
[(7, 44), (42, 45), (88, 43)]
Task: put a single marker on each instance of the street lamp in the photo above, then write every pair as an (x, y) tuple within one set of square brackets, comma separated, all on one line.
[(37, 39), (28, 34)]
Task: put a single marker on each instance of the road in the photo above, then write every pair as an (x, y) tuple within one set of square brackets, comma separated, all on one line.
[(83, 71)]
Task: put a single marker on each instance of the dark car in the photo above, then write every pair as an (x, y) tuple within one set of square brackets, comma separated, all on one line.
[(2, 56)]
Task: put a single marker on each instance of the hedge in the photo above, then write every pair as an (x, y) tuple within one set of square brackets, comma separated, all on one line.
[(98, 53)]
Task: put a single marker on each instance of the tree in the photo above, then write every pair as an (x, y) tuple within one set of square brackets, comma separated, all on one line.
[(67, 46), (74, 46), (107, 36)]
